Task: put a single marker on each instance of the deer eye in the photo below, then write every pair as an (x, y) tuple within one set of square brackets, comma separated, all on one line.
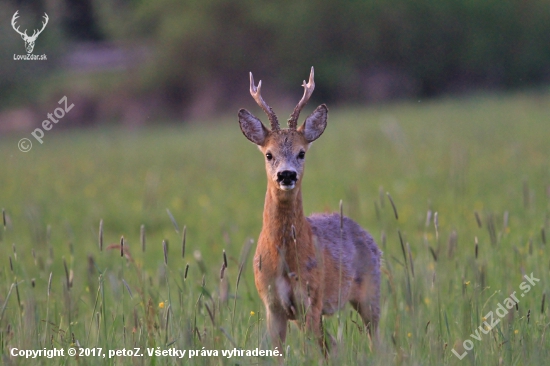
[(268, 156), (301, 154)]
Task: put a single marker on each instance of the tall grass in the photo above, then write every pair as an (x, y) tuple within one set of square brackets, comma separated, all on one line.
[(467, 217)]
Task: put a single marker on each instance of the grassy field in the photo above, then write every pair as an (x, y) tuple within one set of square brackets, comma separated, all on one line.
[(478, 164)]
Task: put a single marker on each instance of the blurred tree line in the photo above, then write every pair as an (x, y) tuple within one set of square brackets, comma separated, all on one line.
[(196, 54)]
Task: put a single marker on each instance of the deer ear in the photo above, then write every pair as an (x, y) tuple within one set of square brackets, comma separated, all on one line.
[(252, 127), (315, 124)]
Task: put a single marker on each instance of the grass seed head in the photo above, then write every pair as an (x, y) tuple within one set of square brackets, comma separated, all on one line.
[(50, 284), (183, 242), (478, 219), (101, 235), (48, 234), (142, 237), (433, 253), (393, 206), (428, 218), (67, 279), (127, 287), (410, 259), (402, 246), (224, 259), (173, 221), (436, 225)]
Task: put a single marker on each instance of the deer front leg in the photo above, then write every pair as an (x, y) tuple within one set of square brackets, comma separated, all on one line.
[(314, 326), (276, 327)]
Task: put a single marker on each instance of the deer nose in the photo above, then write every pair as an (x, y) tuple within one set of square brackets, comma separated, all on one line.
[(287, 177)]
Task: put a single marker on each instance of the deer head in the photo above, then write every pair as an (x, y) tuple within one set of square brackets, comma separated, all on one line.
[(284, 149), (29, 41)]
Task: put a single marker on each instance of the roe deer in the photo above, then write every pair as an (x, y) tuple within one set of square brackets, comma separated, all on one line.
[(306, 267)]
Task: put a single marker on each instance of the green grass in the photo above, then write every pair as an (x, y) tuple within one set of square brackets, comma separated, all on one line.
[(484, 154)]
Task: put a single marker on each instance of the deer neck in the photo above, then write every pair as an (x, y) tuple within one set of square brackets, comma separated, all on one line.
[(282, 210)]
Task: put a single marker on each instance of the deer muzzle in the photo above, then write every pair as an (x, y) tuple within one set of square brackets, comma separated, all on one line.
[(287, 179)]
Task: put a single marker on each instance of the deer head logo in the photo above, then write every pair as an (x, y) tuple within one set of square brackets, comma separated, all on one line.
[(29, 41)]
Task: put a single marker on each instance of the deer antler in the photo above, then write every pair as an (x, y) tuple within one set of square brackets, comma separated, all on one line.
[(308, 90), (34, 34), (256, 94), (24, 34), (13, 19)]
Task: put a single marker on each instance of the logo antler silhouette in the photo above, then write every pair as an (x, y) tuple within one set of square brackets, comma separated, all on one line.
[(29, 40)]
